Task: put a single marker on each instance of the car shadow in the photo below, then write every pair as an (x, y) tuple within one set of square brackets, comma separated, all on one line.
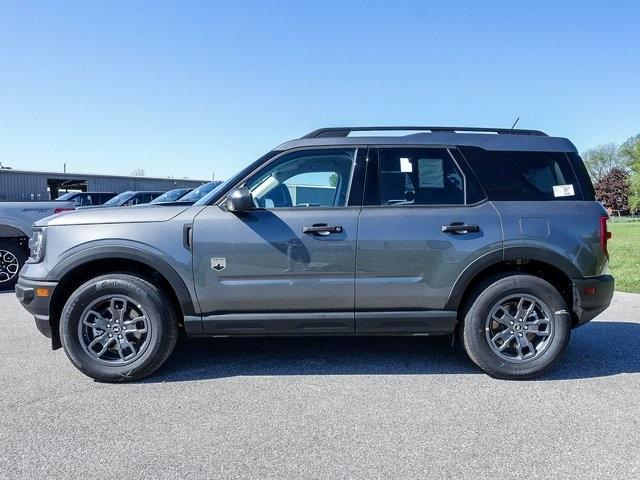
[(597, 349)]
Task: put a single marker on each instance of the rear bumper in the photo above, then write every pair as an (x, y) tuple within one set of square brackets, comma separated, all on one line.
[(592, 296), (35, 297)]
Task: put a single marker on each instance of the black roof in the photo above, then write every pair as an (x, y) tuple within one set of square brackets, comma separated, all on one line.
[(487, 138)]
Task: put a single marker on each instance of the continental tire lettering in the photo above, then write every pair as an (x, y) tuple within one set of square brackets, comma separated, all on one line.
[(115, 284)]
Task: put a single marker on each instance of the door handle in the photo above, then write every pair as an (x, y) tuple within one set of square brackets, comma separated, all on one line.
[(322, 229), (460, 228)]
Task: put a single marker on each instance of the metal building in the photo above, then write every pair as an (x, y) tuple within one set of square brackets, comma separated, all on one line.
[(24, 185)]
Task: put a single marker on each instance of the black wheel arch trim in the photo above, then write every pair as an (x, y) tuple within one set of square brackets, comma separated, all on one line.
[(496, 257), (187, 302)]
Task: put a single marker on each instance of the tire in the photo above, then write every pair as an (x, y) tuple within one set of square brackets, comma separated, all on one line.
[(12, 258), (484, 339), (133, 321)]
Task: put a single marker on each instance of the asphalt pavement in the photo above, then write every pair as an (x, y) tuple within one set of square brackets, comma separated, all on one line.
[(321, 408)]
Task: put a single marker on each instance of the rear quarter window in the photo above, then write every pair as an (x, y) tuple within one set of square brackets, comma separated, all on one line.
[(524, 176)]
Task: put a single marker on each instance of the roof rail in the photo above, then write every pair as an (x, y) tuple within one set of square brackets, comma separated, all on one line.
[(345, 131)]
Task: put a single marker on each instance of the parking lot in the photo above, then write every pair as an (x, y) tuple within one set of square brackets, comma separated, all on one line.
[(324, 408)]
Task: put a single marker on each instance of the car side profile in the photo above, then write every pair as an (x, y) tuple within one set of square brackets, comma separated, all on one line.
[(128, 199), (171, 195), (490, 234), (85, 199)]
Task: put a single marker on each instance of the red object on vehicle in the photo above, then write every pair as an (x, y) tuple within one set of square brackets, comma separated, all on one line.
[(58, 210), (605, 234)]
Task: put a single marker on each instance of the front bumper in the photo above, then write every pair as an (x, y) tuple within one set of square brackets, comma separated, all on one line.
[(35, 297), (592, 296)]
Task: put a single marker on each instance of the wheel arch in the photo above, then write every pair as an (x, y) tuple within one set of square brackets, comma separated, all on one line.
[(548, 265), (10, 231), (76, 270)]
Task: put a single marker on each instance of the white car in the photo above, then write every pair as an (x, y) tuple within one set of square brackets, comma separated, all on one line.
[(16, 219)]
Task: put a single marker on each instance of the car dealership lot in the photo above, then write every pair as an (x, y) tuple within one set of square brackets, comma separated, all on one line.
[(324, 408)]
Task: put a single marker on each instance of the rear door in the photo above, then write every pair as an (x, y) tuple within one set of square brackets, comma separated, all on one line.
[(288, 266), (423, 222)]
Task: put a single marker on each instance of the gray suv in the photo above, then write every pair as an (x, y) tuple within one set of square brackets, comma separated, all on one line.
[(492, 234)]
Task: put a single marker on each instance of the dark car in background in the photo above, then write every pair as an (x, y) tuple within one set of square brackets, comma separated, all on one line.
[(197, 193), (129, 198), (87, 199), (172, 195)]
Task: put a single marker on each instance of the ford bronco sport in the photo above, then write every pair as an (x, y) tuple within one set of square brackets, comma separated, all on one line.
[(494, 234)]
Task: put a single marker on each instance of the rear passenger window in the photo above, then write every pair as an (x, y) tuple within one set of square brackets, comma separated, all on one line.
[(419, 176), (524, 176)]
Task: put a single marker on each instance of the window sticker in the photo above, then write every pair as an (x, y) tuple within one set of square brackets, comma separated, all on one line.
[(405, 165), (431, 173), (563, 190)]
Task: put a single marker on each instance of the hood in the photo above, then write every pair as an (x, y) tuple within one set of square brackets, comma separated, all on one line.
[(92, 216)]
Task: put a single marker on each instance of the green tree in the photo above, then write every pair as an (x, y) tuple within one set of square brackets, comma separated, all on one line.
[(334, 179), (602, 159), (634, 197), (630, 153)]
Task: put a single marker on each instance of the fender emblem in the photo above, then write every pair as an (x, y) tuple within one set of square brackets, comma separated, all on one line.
[(218, 263)]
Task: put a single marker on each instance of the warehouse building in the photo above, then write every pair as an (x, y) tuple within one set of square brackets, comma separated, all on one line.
[(23, 185)]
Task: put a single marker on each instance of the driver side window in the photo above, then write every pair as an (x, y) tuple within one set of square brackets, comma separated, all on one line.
[(309, 178)]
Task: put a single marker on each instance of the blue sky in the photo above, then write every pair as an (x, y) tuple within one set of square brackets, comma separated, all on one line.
[(195, 88)]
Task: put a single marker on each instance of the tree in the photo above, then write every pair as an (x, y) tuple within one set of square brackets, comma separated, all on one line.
[(613, 190), (334, 179), (630, 152), (634, 193), (138, 172), (602, 159)]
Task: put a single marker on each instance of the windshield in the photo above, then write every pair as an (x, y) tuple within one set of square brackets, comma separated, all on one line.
[(171, 195), (220, 189), (66, 196), (197, 193), (118, 199)]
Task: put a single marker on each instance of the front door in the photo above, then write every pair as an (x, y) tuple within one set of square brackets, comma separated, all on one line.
[(422, 224), (288, 266)]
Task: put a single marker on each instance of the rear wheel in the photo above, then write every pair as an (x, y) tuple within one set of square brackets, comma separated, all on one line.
[(517, 327), (118, 328), (12, 258)]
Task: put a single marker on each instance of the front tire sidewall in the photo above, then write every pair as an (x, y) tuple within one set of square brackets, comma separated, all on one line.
[(162, 335), (477, 345)]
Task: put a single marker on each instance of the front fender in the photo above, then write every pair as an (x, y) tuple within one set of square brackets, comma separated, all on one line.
[(12, 228), (156, 260)]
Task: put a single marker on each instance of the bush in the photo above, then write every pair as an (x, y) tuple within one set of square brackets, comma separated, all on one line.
[(613, 190)]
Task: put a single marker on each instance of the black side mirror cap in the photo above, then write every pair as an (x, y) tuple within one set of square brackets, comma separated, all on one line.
[(240, 200)]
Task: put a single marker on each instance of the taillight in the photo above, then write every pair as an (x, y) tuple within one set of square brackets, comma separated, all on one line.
[(604, 235), (58, 210)]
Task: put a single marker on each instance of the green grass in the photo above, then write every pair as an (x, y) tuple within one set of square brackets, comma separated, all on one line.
[(624, 249)]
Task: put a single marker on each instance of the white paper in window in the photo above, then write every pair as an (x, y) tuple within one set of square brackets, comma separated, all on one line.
[(431, 173), (405, 165), (563, 190)]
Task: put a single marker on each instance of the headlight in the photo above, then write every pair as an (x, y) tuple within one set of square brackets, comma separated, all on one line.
[(36, 246)]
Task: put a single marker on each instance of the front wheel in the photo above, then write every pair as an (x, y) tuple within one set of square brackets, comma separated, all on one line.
[(118, 328), (517, 327), (12, 258)]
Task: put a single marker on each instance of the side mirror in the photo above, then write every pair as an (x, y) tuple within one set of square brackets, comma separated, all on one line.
[(240, 200)]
